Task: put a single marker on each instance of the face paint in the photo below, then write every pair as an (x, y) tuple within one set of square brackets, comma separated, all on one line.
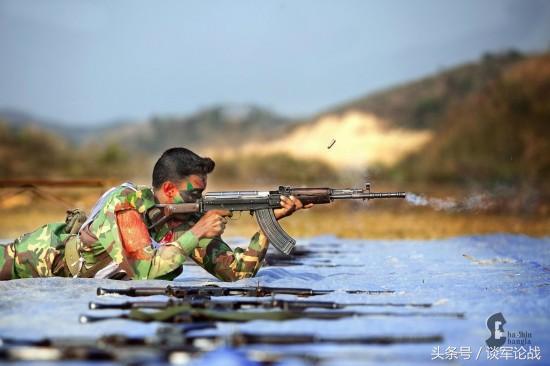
[(191, 194)]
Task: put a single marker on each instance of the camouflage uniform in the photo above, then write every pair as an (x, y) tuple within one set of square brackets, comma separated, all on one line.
[(98, 251)]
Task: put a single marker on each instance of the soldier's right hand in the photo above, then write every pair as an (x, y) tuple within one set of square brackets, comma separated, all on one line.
[(212, 224)]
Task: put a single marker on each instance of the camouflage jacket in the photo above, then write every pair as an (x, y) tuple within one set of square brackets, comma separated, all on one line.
[(102, 255)]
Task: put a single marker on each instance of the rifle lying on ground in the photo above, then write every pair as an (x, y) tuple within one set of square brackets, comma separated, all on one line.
[(262, 205), (174, 342), (207, 303), (213, 290), (188, 314), (157, 349), (174, 336)]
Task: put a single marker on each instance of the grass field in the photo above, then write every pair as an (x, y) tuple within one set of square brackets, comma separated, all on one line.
[(337, 220)]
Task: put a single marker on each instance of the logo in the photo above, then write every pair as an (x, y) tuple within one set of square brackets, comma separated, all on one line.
[(495, 323)]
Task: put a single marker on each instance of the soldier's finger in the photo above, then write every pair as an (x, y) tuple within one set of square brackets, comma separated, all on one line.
[(225, 213), (286, 205), (296, 202)]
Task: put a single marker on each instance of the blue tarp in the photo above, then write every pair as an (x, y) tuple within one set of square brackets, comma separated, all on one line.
[(477, 275)]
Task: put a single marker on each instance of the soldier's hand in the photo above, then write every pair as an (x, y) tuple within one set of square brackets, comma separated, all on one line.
[(289, 206), (212, 224)]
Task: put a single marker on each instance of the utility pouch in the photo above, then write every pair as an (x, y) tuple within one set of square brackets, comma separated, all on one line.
[(74, 220), (72, 255)]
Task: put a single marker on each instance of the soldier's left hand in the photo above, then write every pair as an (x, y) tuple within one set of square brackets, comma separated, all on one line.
[(289, 206)]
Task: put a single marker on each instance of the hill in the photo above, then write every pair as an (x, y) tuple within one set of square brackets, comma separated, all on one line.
[(360, 140), (218, 126), (482, 123), (18, 120), (496, 136), (381, 129), (421, 104)]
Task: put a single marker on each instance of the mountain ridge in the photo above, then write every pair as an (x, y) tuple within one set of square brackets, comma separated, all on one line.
[(425, 130)]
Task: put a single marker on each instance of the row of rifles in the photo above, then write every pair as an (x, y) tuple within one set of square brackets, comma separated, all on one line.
[(191, 315)]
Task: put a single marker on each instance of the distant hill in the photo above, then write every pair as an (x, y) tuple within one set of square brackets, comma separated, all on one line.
[(19, 120), (497, 135), (219, 126), (356, 140), (383, 128), (421, 104), (485, 121)]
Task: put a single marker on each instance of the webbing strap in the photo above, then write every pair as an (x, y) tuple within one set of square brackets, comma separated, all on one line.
[(103, 200)]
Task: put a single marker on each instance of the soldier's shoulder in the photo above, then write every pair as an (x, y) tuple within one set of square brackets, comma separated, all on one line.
[(142, 198)]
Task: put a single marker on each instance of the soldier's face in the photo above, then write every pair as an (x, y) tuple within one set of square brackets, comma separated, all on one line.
[(188, 190), (191, 189)]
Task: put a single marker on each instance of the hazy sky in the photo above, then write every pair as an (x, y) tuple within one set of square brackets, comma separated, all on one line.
[(92, 61)]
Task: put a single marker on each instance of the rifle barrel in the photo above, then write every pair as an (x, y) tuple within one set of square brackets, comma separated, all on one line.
[(238, 339), (344, 195)]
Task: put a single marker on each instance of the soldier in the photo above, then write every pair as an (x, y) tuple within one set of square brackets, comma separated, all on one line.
[(115, 242)]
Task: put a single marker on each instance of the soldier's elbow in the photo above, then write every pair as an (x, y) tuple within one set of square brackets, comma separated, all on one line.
[(234, 276)]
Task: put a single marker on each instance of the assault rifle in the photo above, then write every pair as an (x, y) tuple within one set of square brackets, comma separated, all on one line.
[(171, 337), (188, 314), (262, 204), (175, 342), (213, 290), (206, 303)]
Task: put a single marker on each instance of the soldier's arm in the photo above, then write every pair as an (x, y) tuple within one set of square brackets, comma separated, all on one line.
[(122, 232), (217, 257), (214, 255)]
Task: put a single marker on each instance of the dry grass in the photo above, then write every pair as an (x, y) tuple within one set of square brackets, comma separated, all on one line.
[(379, 224), (342, 222)]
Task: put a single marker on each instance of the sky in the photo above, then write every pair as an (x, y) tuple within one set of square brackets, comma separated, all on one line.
[(88, 62)]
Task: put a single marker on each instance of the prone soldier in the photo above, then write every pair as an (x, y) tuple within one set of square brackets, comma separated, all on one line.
[(117, 241)]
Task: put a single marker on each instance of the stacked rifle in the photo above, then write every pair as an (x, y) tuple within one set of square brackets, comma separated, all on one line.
[(177, 344), (189, 304), (191, 314), (190, 310)]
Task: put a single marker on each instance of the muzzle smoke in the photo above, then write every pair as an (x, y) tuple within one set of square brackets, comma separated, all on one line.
[(474, 202)]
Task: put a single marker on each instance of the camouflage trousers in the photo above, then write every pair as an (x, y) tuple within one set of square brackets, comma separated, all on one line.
[(37, 254)]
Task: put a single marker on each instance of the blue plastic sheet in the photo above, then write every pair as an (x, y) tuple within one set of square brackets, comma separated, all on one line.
[(477, 275)]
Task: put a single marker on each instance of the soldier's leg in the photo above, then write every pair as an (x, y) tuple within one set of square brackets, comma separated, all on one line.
[(35, 252), (7, 262), (216, 257)]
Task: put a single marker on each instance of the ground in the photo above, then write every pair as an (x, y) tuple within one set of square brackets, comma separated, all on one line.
[(475, 275)]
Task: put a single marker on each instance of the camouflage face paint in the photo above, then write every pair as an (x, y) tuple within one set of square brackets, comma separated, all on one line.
[(191, 194), (183, 195)]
